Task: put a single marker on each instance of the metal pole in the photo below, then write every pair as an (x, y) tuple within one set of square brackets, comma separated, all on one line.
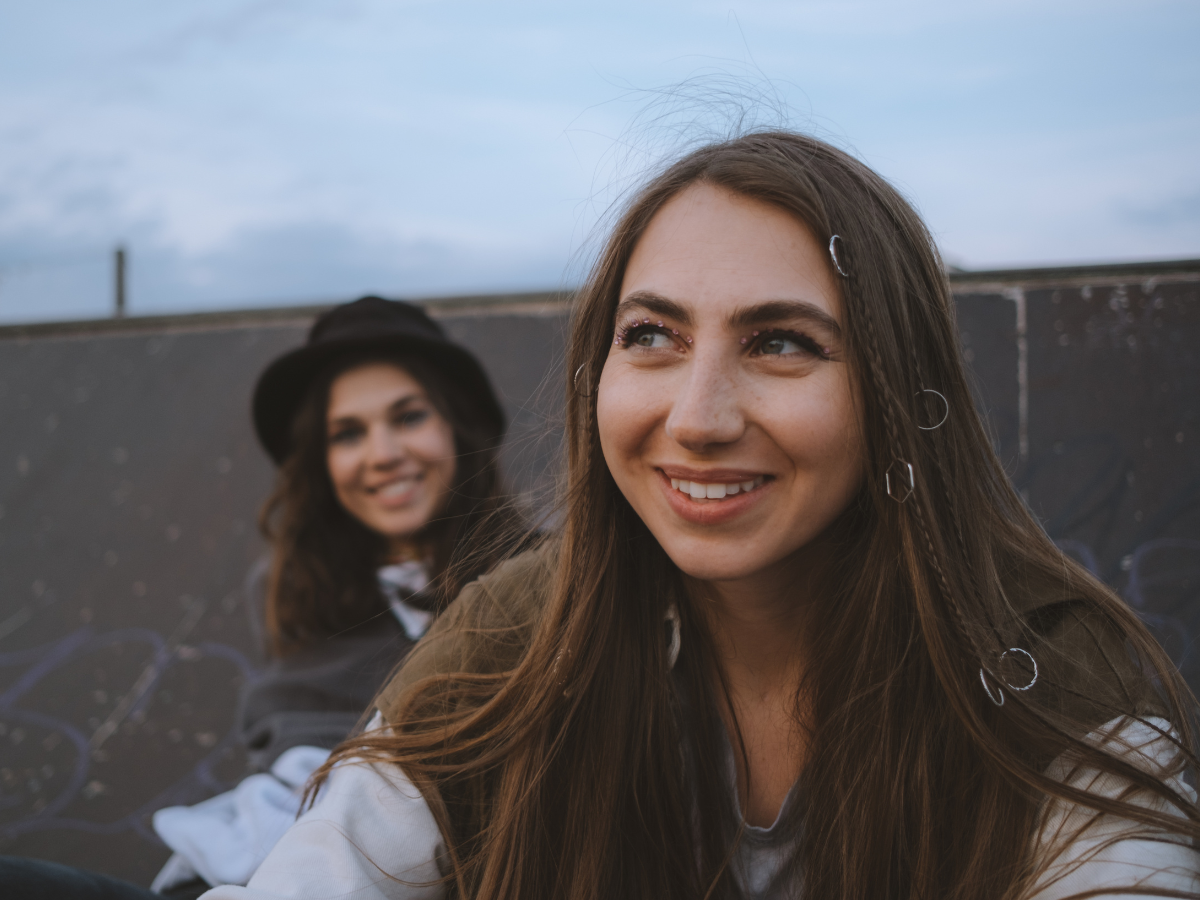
[(119, 268)]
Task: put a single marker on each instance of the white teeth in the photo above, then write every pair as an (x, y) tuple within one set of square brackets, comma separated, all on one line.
[(397, 487), (700, 491)]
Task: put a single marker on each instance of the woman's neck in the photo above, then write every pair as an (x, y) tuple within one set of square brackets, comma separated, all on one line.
[(760, 627), (402, 550), (760, 624)]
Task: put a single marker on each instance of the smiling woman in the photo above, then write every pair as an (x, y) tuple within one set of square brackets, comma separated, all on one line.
[(391, 454), (792, 640), (388, 499), (730, 427), (386, 434)]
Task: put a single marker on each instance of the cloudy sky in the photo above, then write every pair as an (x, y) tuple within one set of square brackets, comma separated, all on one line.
[(261, 152)]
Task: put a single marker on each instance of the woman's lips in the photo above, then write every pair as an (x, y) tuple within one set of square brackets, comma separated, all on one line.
[(719, 490), (398, 491), (719, 498)]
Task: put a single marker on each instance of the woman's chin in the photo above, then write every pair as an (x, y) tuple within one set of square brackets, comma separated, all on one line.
[(398, 527), (702, 565)]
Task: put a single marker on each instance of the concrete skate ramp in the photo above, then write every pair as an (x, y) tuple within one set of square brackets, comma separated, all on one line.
[(130, 482)]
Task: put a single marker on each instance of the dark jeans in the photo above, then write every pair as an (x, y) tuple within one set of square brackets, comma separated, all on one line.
[(35, 879), (188, 890)]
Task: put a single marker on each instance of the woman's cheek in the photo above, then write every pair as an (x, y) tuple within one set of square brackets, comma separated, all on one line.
[(433, 442), (823, 435), (340, 465), (612, 411)]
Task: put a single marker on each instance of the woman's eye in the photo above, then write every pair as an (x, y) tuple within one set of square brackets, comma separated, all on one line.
[(778, 346), (413, 417), (344, 436), (650, 339), (787, 345)]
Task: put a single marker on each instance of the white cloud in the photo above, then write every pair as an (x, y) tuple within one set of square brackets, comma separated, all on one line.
[(480, 141)]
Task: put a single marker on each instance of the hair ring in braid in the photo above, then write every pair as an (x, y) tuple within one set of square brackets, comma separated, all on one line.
[(1011, 687), (898, 480), (586, 389), (835, 253), (945, 414)]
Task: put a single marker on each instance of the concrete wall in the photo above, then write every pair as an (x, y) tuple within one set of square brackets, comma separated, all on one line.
[(130, 482)]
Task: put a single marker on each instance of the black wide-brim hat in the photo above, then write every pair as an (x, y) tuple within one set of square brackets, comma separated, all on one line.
[(371, 324)]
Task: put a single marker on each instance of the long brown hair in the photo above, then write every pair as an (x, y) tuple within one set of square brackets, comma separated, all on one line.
[(322, 579), (592, 771)]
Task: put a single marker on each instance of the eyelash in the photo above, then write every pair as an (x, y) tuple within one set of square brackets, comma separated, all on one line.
[(408, 419), (808, 343), (624, 335), (627, 336), (412, 417), (343, 435)]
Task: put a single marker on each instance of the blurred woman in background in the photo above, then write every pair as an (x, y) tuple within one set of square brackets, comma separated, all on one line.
[(386, 436)]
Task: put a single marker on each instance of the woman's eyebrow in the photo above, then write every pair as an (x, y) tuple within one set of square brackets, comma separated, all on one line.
[(404, 401), (334, 423), (774, 310), (355, 419), (655, 303)]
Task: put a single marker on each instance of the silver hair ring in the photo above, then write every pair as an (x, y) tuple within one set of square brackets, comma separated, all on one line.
[(575, 382), (898, 480), (1033, 680), (834, 243), (1011, 687), (672, 620), (945, 403), (988, 690)]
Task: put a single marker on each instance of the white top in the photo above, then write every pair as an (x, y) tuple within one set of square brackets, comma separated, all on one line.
[(225, 838), (405, 579), (371, 836)]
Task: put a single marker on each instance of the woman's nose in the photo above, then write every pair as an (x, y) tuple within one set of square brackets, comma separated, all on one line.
[(384, 448), (707, 411)]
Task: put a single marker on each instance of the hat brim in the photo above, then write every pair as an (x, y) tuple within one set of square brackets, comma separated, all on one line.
[(282, 386)]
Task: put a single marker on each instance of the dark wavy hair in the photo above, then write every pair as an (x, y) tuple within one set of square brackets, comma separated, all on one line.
[(322, 578), (916, 784)]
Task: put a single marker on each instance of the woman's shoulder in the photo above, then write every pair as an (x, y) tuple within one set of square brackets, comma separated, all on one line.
[(485, 630), (1085, 669), (1082, 848)]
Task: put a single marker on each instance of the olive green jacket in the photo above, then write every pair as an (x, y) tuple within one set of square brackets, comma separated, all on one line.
[(486, 630), (1085, 671)]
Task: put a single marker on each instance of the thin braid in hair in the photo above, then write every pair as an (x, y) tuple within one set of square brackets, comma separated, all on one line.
[(875, 369)]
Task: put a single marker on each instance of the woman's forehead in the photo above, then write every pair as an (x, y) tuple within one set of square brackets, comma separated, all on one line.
[(370, 385), (709, 250)]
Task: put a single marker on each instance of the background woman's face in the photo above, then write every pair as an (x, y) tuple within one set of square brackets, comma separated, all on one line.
[(739, 446), (390, 453)]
